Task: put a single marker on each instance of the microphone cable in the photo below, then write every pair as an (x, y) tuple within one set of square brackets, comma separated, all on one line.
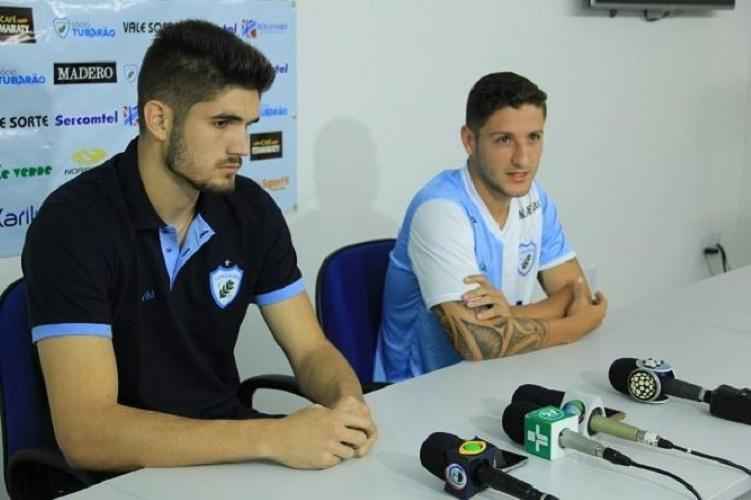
[(618, 458), (667, 445)]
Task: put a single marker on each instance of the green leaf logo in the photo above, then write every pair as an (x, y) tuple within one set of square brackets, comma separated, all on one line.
[(226, 289)]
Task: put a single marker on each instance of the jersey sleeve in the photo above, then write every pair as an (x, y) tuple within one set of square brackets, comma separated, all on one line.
[(555, 246), (441, 249), (280, 278), (67, 275)]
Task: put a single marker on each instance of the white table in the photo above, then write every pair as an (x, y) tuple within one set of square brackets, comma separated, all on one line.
[(102, 491), (703, 330)]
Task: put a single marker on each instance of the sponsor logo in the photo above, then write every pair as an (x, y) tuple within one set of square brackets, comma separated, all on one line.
[(473, 447), (86, 159), (225, 283), (538, 439), (252, 28), (456, 476), (279, 184), (143, 27), (16, 218), (527, 256), (89, 72), (131, 72), (24, 121), (89, 157), (130, 116), (271, 111), (64, 27), (265, 146), (13, 77), (550, 414), (525, 212), (16, 25), (7, 174), (281, 69), (86, 120)]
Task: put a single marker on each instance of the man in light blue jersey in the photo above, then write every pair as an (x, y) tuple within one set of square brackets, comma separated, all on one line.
[(475, 240)]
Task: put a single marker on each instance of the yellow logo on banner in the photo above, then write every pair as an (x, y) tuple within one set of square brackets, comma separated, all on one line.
[(89, 157), (276, 184)]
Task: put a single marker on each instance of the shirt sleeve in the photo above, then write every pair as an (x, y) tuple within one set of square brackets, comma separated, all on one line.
[(441, 249), (280, 278), (555, 247), (67, 275)]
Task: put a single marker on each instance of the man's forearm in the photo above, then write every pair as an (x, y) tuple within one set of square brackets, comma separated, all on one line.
[(552, 307), (121, 438), (477, 340), (326, 377)]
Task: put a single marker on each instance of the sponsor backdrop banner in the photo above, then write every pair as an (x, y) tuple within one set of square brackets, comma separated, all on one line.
[(68, 73)]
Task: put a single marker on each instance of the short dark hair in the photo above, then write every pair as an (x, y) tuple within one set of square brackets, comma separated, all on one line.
[(499, 90), (193, 61)]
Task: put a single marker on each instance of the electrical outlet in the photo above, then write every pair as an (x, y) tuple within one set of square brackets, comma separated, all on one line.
[(710, 240)]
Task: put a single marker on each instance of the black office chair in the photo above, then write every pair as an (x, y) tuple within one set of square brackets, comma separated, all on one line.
[(34, 466), (349, 305)]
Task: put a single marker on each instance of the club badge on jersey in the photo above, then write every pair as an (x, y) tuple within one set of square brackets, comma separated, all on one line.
[(527, 256), (224, 282)]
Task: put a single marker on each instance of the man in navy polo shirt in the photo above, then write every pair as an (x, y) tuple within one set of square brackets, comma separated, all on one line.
[(140, 272)]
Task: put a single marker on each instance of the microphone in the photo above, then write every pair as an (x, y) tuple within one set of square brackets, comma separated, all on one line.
[(542, 431), (589, 410), (651, 381), (468, 467), (548, 432), (570, 405)]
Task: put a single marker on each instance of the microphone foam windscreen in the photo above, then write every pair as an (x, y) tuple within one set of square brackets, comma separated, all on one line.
[(538, 394), (619, 372), (513, 419), (433, 452)]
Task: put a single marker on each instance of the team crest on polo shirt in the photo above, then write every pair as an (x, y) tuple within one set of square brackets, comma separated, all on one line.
[(225, 282), (527, 255)]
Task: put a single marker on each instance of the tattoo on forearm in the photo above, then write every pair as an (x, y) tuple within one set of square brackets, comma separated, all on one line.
[(489, 340), (505, 337), (522, 334)]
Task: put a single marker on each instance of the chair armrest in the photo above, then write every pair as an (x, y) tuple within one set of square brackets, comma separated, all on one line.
[(42, 473), (286, 383)]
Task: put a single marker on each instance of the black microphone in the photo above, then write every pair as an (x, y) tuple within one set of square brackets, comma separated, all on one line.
[(468, 468), (543, 429), (590, 411), (513, 423), (651, 381)]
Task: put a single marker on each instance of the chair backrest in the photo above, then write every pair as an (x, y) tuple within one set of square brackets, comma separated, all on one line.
[(349, 301), (26, 422)]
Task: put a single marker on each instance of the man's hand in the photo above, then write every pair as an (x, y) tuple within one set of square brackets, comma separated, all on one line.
[(317, 437), (487, 301), (582, 306), (357, 407)]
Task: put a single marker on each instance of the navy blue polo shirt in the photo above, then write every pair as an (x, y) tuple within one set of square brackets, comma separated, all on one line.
[(99, 261)]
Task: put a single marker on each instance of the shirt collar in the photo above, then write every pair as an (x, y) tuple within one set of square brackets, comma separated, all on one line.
[(469, 186)]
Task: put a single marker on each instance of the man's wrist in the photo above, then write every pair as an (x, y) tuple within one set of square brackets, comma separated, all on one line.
[(264, 436)]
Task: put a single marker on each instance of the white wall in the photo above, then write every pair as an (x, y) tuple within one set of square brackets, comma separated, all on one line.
[(644, 145), (741, 239)]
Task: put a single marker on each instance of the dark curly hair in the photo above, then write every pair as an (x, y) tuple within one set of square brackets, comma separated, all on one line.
[(192, 61), (499, 90)]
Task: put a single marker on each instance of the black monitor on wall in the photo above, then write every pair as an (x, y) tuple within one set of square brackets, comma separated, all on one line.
[(662, 4)]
